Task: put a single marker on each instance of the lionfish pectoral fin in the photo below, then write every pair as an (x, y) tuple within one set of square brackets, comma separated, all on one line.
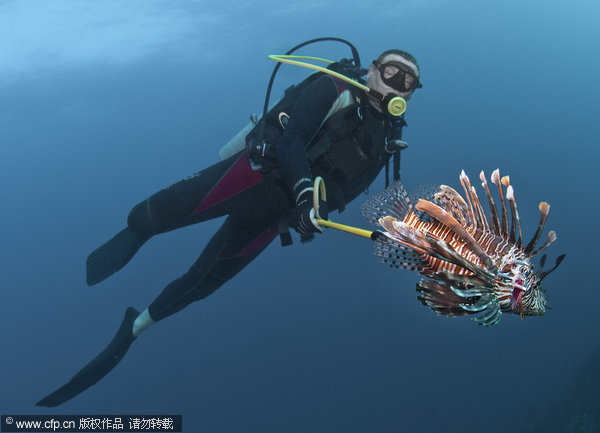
[(387, 223), (468, 293), (464, 280), (398, 255), (481, 304), (490, 317), (439, 297), (488, 307), (404, 234), (445, 252), (445, 218)]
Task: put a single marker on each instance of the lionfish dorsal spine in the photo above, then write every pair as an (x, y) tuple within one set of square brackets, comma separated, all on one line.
[(510, 195), (479, 220), (464, 184), (496, 181), (494, 220), (544, 209), (484, 222), (549, 241), (513, 225)]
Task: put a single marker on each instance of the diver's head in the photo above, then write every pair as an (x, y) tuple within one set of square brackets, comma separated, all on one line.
[(394, 72)]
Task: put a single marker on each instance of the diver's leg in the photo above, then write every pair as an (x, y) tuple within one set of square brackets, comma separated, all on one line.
[(234, 246), (204, 195), (228, 252)]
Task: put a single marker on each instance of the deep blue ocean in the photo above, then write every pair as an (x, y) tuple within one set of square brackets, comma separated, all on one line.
[(104, 103)]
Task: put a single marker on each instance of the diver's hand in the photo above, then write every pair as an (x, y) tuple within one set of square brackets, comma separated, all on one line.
[(303, 218)]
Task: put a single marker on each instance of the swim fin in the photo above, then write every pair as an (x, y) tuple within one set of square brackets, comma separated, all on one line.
[(99, 366), (113, 255)]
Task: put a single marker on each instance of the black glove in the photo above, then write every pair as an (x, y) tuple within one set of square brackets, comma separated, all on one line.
[(303, 218)]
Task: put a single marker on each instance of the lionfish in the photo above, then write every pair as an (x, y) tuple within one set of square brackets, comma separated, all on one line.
[(475, 266)]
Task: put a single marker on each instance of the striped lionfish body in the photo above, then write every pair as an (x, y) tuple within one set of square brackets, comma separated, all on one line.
[(475, 266)]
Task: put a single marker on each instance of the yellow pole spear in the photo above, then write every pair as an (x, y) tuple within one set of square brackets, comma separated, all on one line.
[(319, 191)]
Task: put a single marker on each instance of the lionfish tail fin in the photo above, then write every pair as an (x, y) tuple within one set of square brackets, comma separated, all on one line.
[(393, 201)]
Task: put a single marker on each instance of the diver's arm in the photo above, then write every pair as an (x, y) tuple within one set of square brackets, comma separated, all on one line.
[(308, 114)]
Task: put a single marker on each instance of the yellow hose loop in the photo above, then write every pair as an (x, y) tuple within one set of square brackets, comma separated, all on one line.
[(289, 60), (396, 106)]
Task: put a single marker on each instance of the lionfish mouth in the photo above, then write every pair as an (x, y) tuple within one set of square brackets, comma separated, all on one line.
[(516, 299)]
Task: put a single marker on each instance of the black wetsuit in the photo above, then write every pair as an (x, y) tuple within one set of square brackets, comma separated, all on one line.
[(255, 201), (347, 148)]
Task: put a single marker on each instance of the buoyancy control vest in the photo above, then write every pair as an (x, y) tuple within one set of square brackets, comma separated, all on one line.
[(348, 151), (351, 148)]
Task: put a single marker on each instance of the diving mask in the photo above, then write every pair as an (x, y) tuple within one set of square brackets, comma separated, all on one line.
[(398, 76)]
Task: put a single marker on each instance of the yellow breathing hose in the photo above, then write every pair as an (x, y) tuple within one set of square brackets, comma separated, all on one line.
[(319, 191), (288, 60), (396, 106)]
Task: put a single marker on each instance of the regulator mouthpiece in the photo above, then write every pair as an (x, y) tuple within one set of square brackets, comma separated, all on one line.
[(396, 105), (392, 104)]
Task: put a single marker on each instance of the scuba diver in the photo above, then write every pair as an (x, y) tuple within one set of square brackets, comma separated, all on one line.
[(333, 124)]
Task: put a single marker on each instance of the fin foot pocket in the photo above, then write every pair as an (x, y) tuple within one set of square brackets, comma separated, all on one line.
[(113, 255), (99, 367)]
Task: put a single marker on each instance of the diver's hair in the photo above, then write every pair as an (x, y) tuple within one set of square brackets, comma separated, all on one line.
[(400, 53)]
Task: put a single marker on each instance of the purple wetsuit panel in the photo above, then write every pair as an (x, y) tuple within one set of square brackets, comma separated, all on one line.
[(238, 178)]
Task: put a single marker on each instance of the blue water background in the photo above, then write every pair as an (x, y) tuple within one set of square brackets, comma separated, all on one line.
[(104, 103)]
